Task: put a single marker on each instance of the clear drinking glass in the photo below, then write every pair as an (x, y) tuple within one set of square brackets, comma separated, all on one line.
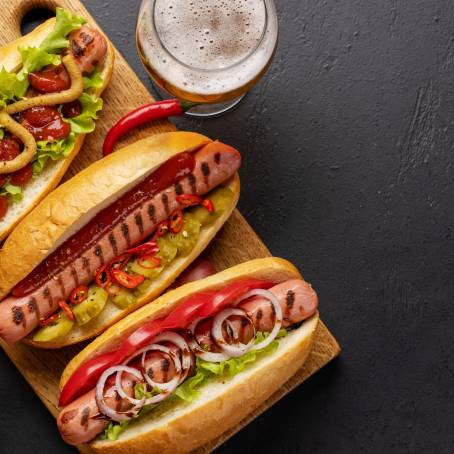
[(206, 51)]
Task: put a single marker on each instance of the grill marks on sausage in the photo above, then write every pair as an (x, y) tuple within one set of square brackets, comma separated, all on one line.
[(125, 232), (61, 285), (165, 202), (205, 171), (113, 243), (84, 418), (75, 276), (178, 188), (290, 299), (192, 183), (69, 416), (48, 296), (152, 212), (139, 222), (32, 305), (86, 264), (99, 253), (165, 365), (18, 316), (217, 158), (79, 50)]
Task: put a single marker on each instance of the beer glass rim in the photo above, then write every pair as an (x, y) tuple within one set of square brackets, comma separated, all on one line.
[(269, 8)]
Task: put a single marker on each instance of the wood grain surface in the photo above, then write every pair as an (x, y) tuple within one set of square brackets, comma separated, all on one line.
[(41, 368)]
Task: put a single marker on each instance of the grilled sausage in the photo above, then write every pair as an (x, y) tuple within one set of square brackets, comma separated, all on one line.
[(81, 420), (89, 47), (19, 316), (298, 301)]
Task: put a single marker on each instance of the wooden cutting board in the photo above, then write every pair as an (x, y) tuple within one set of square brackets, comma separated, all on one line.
[(42, 369)]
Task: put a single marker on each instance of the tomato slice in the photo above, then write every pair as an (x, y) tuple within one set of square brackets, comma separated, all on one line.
[(22, 176), (50, 79), (9, 149)]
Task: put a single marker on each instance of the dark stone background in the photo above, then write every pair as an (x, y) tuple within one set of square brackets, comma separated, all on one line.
[(348, 172)]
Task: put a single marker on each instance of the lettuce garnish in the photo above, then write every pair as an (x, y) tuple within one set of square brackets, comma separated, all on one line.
[(84, 123), (205, 371)]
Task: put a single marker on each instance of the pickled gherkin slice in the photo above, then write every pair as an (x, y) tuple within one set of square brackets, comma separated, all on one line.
[(221, 198), (91, 306), (123, 299), (59, 328)]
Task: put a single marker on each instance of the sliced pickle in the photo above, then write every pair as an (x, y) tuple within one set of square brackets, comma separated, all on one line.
[(56, 329), (167, 249), (221, 198), (123, 299), (187, 238), (92, 306)]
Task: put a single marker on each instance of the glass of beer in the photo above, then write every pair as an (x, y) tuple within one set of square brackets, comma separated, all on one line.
[(210, 52)]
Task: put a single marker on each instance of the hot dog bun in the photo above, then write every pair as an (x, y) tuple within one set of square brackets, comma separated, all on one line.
[(220, 405), (37, 188), (76, 201)]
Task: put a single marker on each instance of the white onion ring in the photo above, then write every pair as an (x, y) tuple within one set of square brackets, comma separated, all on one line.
[(210, 357), (99, 394), (277, 314), (233, 350), (180, 342), (119, 388)]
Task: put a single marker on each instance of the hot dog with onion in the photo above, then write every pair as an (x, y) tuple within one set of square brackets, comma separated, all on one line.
[(50, 86), (201, 357), (114, 237)]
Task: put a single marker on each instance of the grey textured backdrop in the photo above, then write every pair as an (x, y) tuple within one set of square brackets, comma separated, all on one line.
[(348, 172)]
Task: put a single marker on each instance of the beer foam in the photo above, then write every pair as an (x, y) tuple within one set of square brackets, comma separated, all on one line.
[(210, 34), (207, 46)]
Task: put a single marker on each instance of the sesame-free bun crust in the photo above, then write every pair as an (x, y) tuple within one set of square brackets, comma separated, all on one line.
[(37, 188), (221, 405)]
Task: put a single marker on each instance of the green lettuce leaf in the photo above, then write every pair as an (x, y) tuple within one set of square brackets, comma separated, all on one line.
[(84, 123), (35, 58), (2, 133), (11, 87), (94, 80), (14, 192), (65, 23), (113, 430), (51, 150)]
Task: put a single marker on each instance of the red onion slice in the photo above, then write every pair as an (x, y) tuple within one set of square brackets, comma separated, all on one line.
[(119, 388), (277, 314), (100, 400), (180, 342), (233, 350), (210, 357)]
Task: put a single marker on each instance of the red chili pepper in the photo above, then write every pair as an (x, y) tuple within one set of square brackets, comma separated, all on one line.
[(209, 205), (187, 200), (161, 229), (176, 221), (148, 112), (78, 294), (102, 276), (66, 309), (47, 321), (148, 248), (153, 262), (127, 280), (120, 262)]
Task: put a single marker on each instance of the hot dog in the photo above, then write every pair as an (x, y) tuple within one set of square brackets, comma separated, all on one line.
[(101, 248), (50, 89), (236, 303)]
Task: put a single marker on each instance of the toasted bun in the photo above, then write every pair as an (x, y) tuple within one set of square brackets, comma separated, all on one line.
[(222, 404), (37, 188)]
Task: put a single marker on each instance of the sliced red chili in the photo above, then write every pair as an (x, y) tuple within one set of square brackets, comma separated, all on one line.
[(209, 205), (119, 262), (176, 221), (187, 200), (47, 321), (149, 261), (127, 280), (161, 229), (102, 276), (66, 309), (149, 248), (78, 294)]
